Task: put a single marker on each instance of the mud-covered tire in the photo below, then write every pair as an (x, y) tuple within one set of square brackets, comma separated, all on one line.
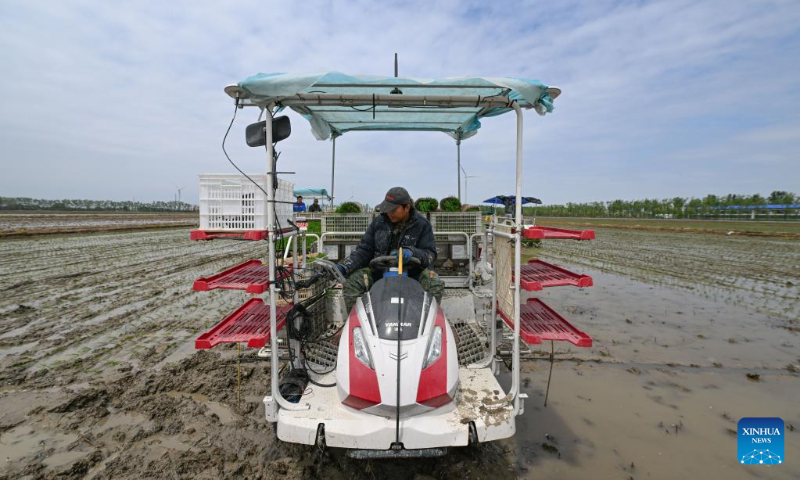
[(473, 436)]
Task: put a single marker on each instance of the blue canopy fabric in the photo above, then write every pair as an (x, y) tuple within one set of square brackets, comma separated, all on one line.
[(459, 122), (311, 193), (502, 199)]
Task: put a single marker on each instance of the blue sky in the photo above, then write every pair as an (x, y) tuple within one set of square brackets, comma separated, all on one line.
[(124, 100)]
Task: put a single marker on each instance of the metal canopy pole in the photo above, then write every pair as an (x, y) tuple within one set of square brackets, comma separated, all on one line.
[(517, 261), (356, 100), (333, 168), (273, 314), (458, 168)]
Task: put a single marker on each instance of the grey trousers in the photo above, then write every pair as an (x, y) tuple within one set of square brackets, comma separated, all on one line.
[(359, 282)]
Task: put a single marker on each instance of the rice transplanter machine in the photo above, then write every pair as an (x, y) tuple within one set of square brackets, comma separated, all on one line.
[(400, 375)]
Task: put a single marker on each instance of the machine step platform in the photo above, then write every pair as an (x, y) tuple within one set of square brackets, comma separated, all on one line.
[(543, 233), (537, 275), (248, 323), (251, 276), (540, 322)]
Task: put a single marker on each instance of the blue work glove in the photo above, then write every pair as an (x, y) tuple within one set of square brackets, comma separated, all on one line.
[(342, 269), (406, 253)]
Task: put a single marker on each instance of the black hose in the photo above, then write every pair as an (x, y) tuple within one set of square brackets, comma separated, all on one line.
[(306, 326), (303, 333)]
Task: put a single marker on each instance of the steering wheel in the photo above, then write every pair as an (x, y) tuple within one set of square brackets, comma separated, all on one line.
[(384, 263)]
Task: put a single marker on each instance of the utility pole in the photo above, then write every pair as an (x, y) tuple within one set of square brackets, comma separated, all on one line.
[(178, 196)]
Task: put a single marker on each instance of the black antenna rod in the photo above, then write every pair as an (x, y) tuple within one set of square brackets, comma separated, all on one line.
[(395, 65)]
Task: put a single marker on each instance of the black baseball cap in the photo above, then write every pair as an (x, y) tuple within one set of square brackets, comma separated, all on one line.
[(395, 197)]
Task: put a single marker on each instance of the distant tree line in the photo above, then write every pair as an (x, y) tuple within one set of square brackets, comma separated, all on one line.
[(678, 207), (23, 203)]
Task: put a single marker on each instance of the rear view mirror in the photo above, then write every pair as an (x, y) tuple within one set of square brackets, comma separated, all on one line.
[(256, 133)]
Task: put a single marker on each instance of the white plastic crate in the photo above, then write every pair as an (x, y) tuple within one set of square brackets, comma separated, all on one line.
[(346, 222), (466, 222), (232, 202)]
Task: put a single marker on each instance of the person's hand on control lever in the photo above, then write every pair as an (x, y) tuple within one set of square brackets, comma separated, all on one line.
[(406, 253), (342, 270)]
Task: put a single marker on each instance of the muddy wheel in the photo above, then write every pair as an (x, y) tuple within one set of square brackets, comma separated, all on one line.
[(320, 443), (473, 435)]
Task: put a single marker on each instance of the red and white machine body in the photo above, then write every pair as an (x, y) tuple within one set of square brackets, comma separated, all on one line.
[(397, 335), (367, 370)]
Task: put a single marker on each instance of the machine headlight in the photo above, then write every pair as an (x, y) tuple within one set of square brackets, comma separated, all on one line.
[(435, 347), (360, 348)]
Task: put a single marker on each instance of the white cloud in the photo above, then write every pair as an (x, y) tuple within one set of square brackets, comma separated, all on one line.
[(120, 100)]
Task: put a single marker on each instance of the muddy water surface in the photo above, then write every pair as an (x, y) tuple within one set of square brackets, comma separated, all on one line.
[(660, 392)]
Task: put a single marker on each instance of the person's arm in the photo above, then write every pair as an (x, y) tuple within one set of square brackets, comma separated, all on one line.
[(425, 250), (363, 253)]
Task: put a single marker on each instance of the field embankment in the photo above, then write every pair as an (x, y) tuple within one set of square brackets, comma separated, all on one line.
[(32, 223)]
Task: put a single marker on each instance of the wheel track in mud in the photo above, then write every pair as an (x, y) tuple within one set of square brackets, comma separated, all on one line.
[(151, 283), (130, 294), (93, 254), (126, 419), (143, 270)]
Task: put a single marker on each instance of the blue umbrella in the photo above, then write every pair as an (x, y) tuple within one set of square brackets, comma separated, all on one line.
[(511, 200)]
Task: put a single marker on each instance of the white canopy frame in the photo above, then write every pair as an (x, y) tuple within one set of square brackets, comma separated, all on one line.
[(397, 105), (399, 101)]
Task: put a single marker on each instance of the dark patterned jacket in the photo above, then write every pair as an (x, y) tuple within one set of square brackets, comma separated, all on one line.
[(417, 236)]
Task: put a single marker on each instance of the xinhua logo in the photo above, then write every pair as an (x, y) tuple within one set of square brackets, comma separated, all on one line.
[(761, 441)]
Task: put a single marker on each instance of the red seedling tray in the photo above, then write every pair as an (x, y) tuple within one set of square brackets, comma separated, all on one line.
[(248, 323), (542, 233), (251, 276), (244, 235), (540, 322), (537, 275)]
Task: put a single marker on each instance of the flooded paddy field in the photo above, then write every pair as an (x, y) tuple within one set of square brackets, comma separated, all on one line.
[(98, 376), (788, 228), (753, 272)]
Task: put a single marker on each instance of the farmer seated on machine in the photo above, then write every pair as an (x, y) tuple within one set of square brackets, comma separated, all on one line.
[(398, 226)]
